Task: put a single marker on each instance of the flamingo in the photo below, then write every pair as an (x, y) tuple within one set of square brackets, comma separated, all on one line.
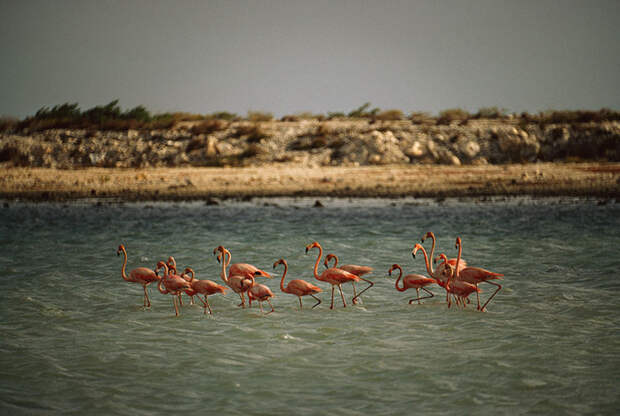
[(142, 275), (244, 269), (413, 281), (442, 275), (298, 287), (457, 288), (174, 284), (260, 293), (359, 271), (333, 276), (474, 275), (429, 266), (203, 287), (238, 283)]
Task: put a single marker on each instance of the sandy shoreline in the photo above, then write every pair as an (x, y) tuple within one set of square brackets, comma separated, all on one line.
[(420, 181)]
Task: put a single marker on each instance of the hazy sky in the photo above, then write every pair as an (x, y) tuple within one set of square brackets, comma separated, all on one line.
[(287, 56)]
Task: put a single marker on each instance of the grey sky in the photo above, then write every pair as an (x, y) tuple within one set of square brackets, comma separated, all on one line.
[(287, 56)]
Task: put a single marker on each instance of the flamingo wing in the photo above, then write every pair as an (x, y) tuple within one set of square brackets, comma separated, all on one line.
[(355, 269)]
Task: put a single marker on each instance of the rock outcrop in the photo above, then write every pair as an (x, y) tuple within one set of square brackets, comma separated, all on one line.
[(317, 143)]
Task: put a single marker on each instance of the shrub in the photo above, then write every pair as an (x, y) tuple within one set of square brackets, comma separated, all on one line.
[(209, 126), (491, 113), (420, 117), (362, 112), (8, 123), (224, 115), (335, 114), (390, 115), (453, 114), (256, 116)]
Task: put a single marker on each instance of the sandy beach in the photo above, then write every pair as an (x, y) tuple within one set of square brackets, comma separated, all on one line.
[(211, 184)]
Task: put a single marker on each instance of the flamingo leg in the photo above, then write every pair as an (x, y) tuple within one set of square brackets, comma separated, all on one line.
[(147, 301), (300, 306), (477, 296), (431, 295), (317, 303), (208, 306), (344, 304), (499, 287), (180, 299), (260, 306), (174, 302), (370, 284), (332, 305), (355, 295), (269, 301)]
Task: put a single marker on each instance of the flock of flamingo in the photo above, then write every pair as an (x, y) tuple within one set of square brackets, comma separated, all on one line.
[(454, 275)]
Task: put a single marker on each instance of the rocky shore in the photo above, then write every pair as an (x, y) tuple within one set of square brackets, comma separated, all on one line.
[(347, 158), (314, 143)]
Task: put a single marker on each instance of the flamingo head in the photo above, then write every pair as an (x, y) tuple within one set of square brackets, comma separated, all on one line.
[(218, 248), (458, 242), (443, 257), (161, 265), (415, 249), (428, 235), (281, 261), (311, 246), (394, 267), (121, 248), (172, 262), (189, 270), (328, 258)]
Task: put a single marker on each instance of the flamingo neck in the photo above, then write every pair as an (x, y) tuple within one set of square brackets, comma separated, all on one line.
[(431, 254), (224, 264), (429, 269), (318, 260), (123, 274), (455, 274), (400, 274), (161, 281), (335, 261), (283, 275)]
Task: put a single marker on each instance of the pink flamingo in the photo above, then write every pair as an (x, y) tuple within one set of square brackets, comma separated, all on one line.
[(238, 283), (173, 284), (142, 275), (333, 276), (260, 293), (244, 269), (359, 271), (172, 264), (203, 287), (442, 275), (413, 281), (429, 265), (474, 275), (298, 287), (459, 289)]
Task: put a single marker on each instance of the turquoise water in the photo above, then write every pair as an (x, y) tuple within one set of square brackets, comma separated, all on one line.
[(75, 339)]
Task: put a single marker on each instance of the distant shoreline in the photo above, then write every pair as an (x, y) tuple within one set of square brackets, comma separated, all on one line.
[(600, 180)]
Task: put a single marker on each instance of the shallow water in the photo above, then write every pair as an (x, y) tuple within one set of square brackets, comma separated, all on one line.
[(75, 339)]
